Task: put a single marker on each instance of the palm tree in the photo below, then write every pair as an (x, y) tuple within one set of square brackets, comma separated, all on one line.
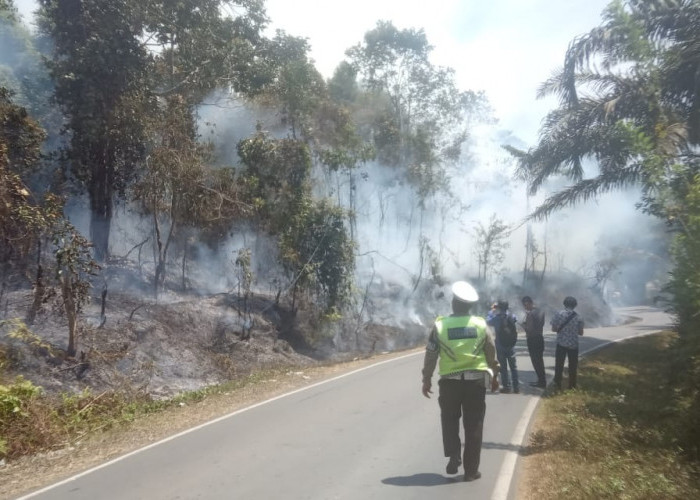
[(629, 100), (628, 94)]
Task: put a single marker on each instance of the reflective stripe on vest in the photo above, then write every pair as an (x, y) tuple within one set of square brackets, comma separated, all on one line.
[(461, 340)]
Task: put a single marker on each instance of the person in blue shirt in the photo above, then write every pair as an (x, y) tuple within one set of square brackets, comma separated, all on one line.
[(505, 352)]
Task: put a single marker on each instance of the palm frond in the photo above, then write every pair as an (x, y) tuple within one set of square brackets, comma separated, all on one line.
[(588, 189)]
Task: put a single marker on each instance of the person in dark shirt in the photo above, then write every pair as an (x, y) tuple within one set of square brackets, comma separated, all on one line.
[(533, 324), (505, 348)]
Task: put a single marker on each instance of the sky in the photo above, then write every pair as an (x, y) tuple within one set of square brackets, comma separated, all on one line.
[(506, 48)]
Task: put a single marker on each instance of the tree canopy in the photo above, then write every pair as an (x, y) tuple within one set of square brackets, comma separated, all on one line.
[(629, 104)]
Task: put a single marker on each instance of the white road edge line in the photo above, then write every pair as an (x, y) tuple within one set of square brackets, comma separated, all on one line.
[(501, 489), (505, 474), (219, 419)]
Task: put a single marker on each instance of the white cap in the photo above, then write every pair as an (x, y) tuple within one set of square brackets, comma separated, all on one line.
[(465, 292)]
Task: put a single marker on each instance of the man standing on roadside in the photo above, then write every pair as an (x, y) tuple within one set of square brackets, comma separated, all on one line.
[(503, 323), (568, 325), (464, 347), (533, 324)]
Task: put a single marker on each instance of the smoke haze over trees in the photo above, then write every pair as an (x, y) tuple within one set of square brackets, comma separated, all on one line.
[(192, 144)]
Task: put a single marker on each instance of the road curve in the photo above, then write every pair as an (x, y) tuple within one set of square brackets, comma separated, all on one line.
[(367, 434)]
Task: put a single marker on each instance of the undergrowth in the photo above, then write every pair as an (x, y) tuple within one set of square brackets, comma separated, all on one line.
[(32, 421), (621, 434)]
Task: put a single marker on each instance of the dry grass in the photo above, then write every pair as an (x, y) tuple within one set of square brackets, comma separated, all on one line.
[(617, 436)]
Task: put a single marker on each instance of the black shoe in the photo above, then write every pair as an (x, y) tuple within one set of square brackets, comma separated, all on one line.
[(540, 385), (453, 465), (473, 476), (505, 390), (516, 390)]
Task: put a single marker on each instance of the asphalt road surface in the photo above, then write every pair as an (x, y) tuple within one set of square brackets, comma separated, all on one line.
[(369, 434)]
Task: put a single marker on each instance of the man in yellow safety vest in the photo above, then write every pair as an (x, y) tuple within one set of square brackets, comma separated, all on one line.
[(464, 347)]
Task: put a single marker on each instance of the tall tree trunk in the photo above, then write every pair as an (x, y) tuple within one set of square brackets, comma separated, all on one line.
[(39, 287), (162, 248), (71, 312), (100, 210)]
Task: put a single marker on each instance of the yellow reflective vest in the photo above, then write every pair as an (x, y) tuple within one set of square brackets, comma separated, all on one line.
[(461, 340)]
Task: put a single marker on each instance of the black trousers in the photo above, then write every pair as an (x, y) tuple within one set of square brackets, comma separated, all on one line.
[(559, 357), (465, 399), (535, 346)]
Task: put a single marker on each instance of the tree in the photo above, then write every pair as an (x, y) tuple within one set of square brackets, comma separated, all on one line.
[(342, 151), (638, 119), (74, 265), (22, 70), (21, 220), (318, 253), (197, 46), (343, 87), (297, 86), (422, 118), (202, 45), (532, 250), (99, 67), (315, 249), (8, 9), (168, 188), (490, 246), (25, 223)]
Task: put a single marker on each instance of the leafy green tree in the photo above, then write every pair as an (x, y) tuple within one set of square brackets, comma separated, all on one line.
[(343, 87), (629, 101), (8, 9), (319, 254), (636, 116), (276, 177), (99, 67), (685, 287), (202, 45), (422, 119), (297, 86), (314, 245), (25, 223)]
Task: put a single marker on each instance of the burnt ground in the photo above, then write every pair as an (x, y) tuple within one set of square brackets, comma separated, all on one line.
[(130, 342), (161, 348), (184, 342)]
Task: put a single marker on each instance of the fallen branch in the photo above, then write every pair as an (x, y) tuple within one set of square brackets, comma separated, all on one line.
[(132, 312)]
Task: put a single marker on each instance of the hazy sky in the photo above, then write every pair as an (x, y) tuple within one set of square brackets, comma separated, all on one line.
[(504, 47)]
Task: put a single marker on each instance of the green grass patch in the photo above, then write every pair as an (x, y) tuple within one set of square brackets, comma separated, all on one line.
[(620, 434)]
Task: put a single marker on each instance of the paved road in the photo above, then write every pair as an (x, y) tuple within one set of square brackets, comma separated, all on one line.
[(369, 434)]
